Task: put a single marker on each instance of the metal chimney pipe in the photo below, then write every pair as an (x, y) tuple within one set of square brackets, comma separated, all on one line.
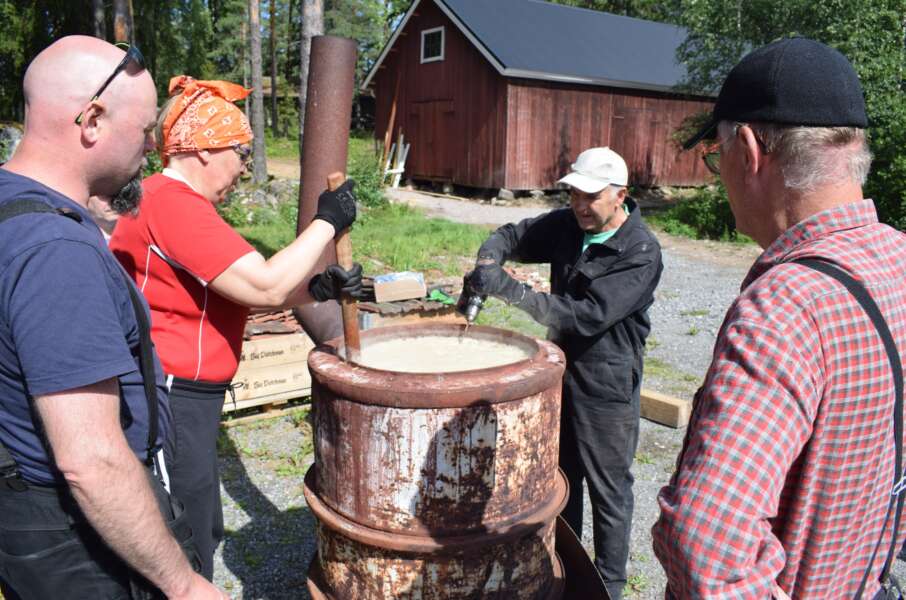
[(325, 141)]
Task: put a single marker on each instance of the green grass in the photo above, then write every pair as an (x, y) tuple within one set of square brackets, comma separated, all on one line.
[(656, 367), (395, 237), (498, 314), (644, 459), (635, 584), (281, 147)]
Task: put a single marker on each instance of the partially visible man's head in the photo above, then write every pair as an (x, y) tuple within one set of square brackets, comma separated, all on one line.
[(803, 101), (106, 149), (810, 157), (103, 213)]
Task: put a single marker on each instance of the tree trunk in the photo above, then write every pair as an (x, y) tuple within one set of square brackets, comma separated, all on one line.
[(259, 163), (275, 123), (100, 24), (312, 25), (244, 61), (122, 21)]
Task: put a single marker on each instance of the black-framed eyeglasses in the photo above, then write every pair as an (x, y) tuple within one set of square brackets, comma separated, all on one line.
[(711, 155), (244, 152), (133, 54)]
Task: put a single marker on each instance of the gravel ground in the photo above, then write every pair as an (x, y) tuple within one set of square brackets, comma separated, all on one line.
[(269, 541)]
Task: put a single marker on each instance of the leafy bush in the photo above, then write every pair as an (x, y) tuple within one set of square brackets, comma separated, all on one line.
[(153, 164), (706, 215), (868, 32), (365, 169)]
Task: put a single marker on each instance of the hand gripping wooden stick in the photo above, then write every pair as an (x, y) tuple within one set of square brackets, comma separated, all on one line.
[(347, 302)]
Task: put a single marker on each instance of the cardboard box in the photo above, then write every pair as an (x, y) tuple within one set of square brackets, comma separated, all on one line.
[(265, 351), (272, 369), (399, 286), (275, 379)]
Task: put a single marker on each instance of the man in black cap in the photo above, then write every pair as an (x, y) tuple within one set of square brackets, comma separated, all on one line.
[(784, 483)]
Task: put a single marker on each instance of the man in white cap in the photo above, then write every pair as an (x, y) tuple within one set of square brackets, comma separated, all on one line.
[(605, 265)]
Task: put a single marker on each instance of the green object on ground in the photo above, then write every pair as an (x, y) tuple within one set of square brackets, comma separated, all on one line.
[(441, 296)]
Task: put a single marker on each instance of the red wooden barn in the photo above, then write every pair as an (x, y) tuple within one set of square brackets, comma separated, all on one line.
[(506, 93)]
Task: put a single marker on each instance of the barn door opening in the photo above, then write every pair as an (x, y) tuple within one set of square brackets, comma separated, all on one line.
[(432, 137)]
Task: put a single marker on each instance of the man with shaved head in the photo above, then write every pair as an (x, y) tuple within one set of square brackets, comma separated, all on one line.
[(83, 409)]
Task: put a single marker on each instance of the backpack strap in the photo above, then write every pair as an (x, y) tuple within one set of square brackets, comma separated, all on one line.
[(26, 206), (8, 468), (896, 497)]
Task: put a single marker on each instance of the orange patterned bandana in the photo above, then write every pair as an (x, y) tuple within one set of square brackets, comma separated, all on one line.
[(204, 117)]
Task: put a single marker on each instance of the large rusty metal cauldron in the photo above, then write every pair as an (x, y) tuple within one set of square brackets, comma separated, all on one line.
[(441, 484)]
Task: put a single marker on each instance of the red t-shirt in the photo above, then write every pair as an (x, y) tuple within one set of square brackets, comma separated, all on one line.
[(173, 248)]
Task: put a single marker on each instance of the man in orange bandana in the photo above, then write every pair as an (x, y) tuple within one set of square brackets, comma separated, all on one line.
[(200, 278), (201, 114)]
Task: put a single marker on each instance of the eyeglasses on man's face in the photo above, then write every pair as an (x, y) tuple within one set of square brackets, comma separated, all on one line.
[(244, 152), (711, 154), (133, 54)]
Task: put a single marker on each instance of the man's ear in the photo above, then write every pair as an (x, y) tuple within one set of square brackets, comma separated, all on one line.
[(621, 194), (204, 156), (750, 147), (90, 125)]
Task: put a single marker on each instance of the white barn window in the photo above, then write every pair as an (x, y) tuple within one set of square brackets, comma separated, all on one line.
[(433, 44)]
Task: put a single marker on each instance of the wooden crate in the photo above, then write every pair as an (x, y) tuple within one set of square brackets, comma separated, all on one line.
[(272, 370)]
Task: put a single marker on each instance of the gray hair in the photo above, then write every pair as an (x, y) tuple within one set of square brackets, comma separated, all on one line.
[(811, 157), (161, 117)]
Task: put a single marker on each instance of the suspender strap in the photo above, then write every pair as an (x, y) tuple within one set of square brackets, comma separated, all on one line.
[(146, 365), (24, 206), (874, 313)]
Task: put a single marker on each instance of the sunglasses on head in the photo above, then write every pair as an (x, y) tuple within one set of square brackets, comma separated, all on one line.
[(133, 54)]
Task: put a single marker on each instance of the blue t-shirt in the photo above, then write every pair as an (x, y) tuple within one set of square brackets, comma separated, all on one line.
[(66, 321)]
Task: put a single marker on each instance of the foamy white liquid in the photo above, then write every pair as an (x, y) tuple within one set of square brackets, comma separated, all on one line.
[(439, 354)]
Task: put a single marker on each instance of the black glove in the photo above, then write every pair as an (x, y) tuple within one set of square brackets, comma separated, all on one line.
[(489, 279), (336, 281), (337, 207)]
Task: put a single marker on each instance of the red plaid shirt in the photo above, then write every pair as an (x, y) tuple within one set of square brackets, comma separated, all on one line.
[(788, 461)]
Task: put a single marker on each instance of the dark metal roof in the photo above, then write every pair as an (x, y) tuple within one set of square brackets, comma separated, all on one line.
[(540, 40), (535, 36)]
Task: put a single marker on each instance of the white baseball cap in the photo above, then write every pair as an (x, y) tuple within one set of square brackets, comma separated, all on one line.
[(595, 169)]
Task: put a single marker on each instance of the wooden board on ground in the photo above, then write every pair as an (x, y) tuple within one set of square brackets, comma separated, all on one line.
[(664, 409)]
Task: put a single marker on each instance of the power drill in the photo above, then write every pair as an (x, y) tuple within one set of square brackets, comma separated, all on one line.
[(469, 303)]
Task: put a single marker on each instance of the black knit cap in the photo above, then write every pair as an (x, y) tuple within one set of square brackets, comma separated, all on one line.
[(794, 81)]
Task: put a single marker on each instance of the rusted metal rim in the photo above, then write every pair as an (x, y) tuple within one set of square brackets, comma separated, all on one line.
[(401, 542), (318, 589), (543, 370)]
